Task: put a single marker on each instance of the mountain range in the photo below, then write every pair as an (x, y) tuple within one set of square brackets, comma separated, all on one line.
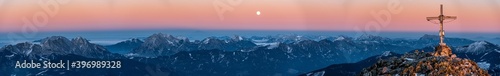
[(57, 48), (365, 46), (236, 55)]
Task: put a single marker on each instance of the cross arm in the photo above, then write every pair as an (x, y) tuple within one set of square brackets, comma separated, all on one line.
[(432, 18), (445, 18), (450, 17)]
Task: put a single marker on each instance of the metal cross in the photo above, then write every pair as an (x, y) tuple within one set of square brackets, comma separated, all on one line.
[(441, 19)]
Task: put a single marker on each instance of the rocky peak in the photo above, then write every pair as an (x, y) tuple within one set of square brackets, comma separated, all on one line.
[(237, 38), (131, 41), (478, 47), (80, 40), (61, 45), (53, 40), (20, 48), (183, 39), (343, 38), (442, 50), (135, 40), (161, 35), (160, 38), (212, 40), (481, 45), (57, 43), (421, 63)]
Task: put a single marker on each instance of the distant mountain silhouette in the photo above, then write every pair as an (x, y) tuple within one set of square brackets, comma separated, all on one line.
[(57, 48), (163, 45), (60, 45), (125, 47)]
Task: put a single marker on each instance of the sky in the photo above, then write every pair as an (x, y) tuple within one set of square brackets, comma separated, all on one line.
[(322, 15)]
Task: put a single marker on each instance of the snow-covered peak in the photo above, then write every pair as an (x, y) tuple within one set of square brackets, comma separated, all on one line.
[(386, 53), (61, 45), (183, 38), (340, 38), (206, 41), (80, 40), (20, 48), (478, 47), (159, 38), (55, 41), (273, 45), (484, 65), (479, 43), (158, 34), (212, 40), (237, 38), (162, 36)]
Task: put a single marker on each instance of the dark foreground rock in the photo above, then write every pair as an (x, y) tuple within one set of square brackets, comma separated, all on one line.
[(428, 64)]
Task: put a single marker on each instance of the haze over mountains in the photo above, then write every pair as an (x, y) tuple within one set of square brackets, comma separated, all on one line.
[(236, 55)]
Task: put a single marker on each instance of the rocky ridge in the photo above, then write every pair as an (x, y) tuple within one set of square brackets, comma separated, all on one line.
[(439, 63)]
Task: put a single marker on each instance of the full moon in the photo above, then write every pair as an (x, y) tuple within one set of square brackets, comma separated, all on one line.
[(258, 13)]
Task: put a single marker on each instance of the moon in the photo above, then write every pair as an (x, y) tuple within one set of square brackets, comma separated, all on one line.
[(258, 13)]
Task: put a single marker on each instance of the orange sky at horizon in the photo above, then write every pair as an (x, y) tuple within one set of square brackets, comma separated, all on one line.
[(328, 15)]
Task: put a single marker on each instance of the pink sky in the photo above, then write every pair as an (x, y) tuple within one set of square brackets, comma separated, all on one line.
[(333, 15)]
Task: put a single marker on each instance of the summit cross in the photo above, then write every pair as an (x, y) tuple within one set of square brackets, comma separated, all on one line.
[(441, 18)]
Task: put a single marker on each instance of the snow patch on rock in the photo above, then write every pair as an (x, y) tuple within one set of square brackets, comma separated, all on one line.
[(484, 65)]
